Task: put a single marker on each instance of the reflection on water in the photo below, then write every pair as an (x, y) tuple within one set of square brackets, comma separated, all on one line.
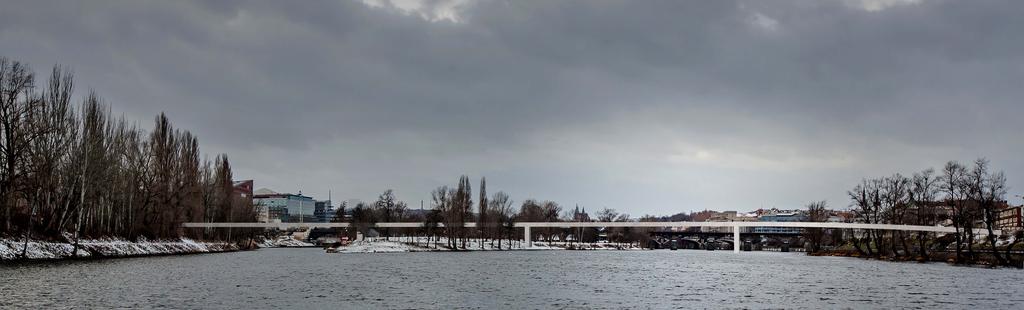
[(309, 278)]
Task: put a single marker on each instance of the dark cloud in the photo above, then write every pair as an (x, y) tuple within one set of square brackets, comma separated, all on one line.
[(650, 107)]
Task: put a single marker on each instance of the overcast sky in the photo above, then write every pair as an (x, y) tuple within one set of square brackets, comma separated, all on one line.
[(648, 107)]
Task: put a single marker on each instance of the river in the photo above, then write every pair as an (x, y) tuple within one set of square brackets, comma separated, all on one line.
[(310, 278)]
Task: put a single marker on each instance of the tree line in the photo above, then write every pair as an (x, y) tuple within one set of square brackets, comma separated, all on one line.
[(72, 170), (494, 216), (966, 197)]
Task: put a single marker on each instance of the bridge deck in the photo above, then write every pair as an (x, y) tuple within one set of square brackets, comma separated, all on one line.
[(939, 229)]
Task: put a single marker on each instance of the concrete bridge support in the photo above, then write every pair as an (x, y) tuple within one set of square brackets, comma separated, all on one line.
[(736, 239), (526, 234)]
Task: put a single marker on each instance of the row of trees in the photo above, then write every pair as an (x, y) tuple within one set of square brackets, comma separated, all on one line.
[(494, 216), (387, 208), (78, 170), (453, 208), (968, 197)]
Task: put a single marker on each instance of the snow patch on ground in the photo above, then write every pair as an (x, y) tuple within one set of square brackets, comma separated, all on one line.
[(380, 246), (283, 242), (12, 249), (589, 246)]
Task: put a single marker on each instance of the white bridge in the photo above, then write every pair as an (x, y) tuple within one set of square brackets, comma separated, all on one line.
[(527, 225)]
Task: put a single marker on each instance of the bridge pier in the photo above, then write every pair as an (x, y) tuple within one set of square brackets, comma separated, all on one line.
[(526, 234), (736, 239)]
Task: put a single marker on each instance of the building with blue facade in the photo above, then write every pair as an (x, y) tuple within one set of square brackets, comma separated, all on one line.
[(324, 211), (781, 217), (282, 207)]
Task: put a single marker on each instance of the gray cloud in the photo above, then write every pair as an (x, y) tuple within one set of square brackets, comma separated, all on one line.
[(652, 107)]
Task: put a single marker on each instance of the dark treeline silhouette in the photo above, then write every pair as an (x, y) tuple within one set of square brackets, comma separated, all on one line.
[(75, 170), (452, 207), (966, 197)]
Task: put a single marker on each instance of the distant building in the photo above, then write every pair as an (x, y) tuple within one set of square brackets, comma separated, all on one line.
[(842, 217), (323, 211), (243, 189), (283, 207), (1010, 219), (702, 216), (727, 216), (418, 214), (780, 216)]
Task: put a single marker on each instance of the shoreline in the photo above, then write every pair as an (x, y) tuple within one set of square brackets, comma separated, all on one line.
[(473, 245), (31, 261), (948, 260), (92, 249), (382, 246)]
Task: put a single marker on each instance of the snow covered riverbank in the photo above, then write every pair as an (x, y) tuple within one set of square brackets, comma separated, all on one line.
[(12, 249), (420, 244), (284, 242), (380, 246)]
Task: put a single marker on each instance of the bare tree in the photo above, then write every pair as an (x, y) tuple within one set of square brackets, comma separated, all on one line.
[(816, 212), (363, 217), (551, 211), (609, 215), (339, 212), (987, 191), (462, 208), (501, 208), (431, 222), (867, 204), (894, 208), (952, 185), (17, 102), (81, 171), (54, 121), (923, 192), (225, 204), (390, 210), (482, 223), (442, 203), (530, 211)]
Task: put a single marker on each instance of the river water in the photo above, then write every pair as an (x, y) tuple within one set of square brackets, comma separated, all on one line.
[(310, 278)]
